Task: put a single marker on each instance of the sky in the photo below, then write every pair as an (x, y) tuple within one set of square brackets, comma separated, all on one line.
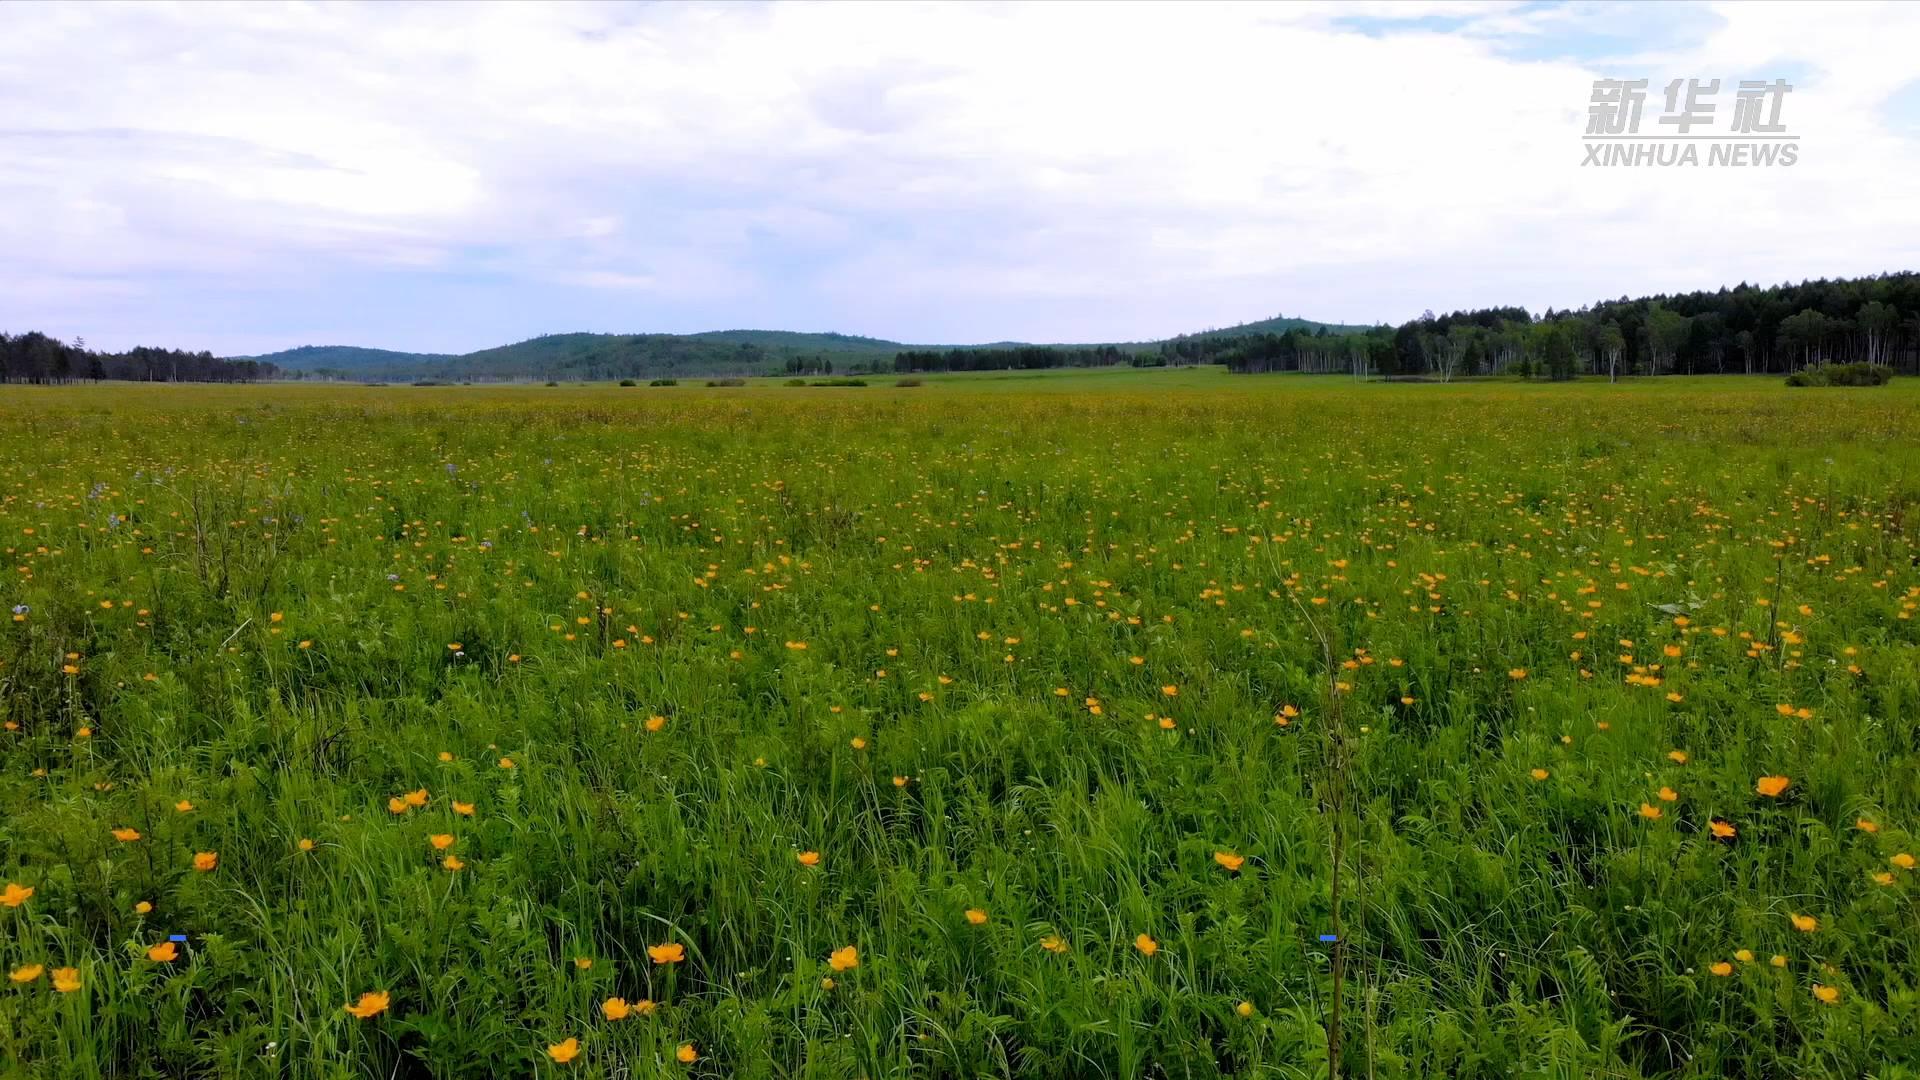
[(442, 178)]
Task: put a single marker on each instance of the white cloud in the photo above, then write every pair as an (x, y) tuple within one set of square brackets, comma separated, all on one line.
[(944, 172)]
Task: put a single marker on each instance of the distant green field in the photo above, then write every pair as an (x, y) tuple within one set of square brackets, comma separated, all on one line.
[(1014, 725)]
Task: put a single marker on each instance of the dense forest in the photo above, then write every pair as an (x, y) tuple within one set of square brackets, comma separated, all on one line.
[(34, 357), (1742, 330)]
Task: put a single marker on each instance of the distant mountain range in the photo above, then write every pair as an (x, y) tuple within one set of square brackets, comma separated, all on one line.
[(714, 353)]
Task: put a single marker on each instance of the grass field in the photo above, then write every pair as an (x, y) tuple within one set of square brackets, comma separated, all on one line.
[(993, 727)]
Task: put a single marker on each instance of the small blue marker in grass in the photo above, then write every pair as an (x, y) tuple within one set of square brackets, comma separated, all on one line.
[(177, 937), (1329, 937)]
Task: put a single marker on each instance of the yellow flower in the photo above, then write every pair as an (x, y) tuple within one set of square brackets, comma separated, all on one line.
[(1649, 811), (976, 916), (1517, 674), (1722, 969), (564, 1052), (1667, 794), (464, 809), (416, 799), (1806, 924), (1903, 860), (66, 980), (808, 858), (1678, 757), (583, 962), (164, 953), (26, 973), (397, 805), (844, 959), (1778, 961), (1827, 994), (183, 806), (204, 861), (644, 1007), (1244, 1009), (686, 1055), (1866, 826), (1539, 774), (615, 1008), (506, 763), (371, 1004), (441, 841), (1146, 945), (453, 864), (1745, 956), (1230, 860), (15, 894), (142, 908), (305, 844), (1053, 944), (1771, 786), (671, 953)]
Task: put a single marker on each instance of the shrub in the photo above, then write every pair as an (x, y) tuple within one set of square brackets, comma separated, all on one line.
[(664, 382), (796, 382), (839, 382), (628, 382), (1826, 374), (726, 382)]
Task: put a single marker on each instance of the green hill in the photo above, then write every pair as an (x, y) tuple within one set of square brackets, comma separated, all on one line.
[(1279, 324)]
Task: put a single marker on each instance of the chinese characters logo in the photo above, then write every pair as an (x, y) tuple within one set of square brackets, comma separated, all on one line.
[(1755, 136)]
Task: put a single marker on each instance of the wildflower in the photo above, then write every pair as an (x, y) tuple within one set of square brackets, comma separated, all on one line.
[(66, 980), (397, 805), (26, 973), (1721, 830), (1883, 878), (1806, 924), (204, 861), (976, 916), (1771, 786), (183, 807), (808, 858), (164, 953), (1866, 826), (1667, 794), (671, 953), (15, 894), (1778, 961), (453, 864), (1678, 757), (899, 781), (464, 809), (615, 1008), (305, 844), (1903, 860), (1146, 945), (1827, 994), (441, 841), (1516, 674), (126, 836), (1649, 811), (371, 1004), (1539, 774), (1244, 1009), (857, 743), (583, 962), (844, 959), (826, 982), (1053, 944), (644, 1007), (655, 723), (563, 1052), (416, 799), (1229, 860), (687, 1055), (506, 763), (1170, 691), (142, 908), (1745, 956), (1722, 969)]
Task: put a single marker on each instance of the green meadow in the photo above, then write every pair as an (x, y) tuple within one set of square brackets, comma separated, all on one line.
[(1000, 726)]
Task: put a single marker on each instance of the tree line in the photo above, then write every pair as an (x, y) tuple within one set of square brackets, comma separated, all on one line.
[(1741, 330), (34, 357)]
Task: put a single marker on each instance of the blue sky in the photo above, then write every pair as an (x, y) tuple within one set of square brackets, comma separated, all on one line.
[(246, 178)]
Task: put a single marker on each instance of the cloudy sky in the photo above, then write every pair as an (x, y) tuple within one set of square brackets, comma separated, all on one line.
[(445, 178)]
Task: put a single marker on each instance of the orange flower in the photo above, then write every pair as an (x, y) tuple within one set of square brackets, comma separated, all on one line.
[(464, 809), (1771, 786), (1678, 757), (204, 861), (1806, 924), (1722, 969), (563, 1052), (1721, 830), (1667, 794), (441, 841), (164, 953), (615, 1009), (1539, 774), (26, 973), (1903, 860), (305, 844), (1230, 860), (1649, 811), (371, 1004), (126, 836), (1517, 674), (66, 980), (655, 723), (844, 959), (976, 916), (15, 894), (1170, 690), (671, 953), (397, 805), (686, 1055), (1866, 826), (453, 864), (183, 806), (808, 858), (644, 1007), (416, 799), (1146, 945)]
